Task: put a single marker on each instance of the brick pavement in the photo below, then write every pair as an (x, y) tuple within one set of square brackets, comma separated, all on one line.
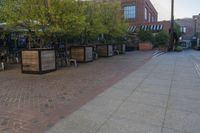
[(34, 103)]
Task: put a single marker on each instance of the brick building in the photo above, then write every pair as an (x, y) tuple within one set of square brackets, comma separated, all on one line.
[(139, 11), (196, 19), (187, 26), (141, 14), (187, 29)]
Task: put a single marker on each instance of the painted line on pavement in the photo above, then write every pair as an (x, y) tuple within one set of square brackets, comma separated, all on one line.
[(157, 54)]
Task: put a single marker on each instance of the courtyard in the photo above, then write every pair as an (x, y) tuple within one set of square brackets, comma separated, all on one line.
[(132, 93), (33, 103)]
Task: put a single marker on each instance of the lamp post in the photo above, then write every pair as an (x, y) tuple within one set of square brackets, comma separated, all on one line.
[(171, 45)]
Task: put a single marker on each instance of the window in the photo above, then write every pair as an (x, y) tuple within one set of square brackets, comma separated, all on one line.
[(183, 29), (145, 13), (130, 12), (152, 19), (149, 17)]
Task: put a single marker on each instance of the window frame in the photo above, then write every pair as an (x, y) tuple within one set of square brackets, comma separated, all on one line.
[(129, 11), (145, 13)]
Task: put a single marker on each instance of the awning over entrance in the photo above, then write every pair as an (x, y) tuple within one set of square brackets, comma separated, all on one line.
[(131, 29), (153, 28)]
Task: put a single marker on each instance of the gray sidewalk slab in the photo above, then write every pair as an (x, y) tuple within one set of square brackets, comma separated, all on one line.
[(160, 97)]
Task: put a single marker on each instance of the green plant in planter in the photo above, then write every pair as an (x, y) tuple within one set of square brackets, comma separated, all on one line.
[(145, 36), (197, 48), (161, 39), (146, 39), (178, 49)]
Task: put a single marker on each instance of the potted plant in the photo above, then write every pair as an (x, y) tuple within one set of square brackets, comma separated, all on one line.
[(38, 61), (42, 32), (104, 50), (161, 40), (178, 49), (146, 38)]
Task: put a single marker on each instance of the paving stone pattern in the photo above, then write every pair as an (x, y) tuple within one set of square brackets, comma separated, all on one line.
[(34, 103), (163, 96)]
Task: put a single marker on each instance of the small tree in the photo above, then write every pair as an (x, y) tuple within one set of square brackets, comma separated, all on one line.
[(177, 30), (113, 20), (93, 26), (145, 36), (161, 39), (45, 19)]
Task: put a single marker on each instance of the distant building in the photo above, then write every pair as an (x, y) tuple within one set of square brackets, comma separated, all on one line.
[(187, 29), (196, 19), (196, 39), (187, 26)]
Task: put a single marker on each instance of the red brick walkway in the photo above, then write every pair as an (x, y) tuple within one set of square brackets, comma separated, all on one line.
[(33, 103)]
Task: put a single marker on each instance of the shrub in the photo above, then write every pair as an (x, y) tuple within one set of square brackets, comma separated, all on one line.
[(145, 36), (178, 49), (197, 48), (161, 39)]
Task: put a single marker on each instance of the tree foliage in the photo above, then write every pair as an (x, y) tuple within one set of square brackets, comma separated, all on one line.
[(161, 39), (177, 30), (145, 36), (93, 26), (113, 20), (53, 19)]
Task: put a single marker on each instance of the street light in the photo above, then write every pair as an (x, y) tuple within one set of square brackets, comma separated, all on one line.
[(171, 45)]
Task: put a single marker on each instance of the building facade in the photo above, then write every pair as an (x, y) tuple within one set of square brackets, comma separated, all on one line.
[(196, 19), (139, 11), (142, 15), (187, 27)]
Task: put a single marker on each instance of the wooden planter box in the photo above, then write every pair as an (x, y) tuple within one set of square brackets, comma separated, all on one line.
[(104, 50), (38, 61), (145, 46), (82, 53), (120, 47)]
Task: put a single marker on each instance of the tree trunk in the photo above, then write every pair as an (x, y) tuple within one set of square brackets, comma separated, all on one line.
[(29, 41)]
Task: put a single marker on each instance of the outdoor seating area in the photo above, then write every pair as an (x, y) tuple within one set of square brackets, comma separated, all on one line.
[(45, 60), (32, 102), (78, 38), (99, 66)]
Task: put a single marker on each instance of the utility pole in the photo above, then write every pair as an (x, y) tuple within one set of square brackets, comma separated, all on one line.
[(171, 45)]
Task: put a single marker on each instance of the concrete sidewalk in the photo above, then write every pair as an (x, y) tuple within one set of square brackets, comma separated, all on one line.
[(163, 96)]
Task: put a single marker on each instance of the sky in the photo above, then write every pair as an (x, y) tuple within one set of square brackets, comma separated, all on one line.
[(182, 8)]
